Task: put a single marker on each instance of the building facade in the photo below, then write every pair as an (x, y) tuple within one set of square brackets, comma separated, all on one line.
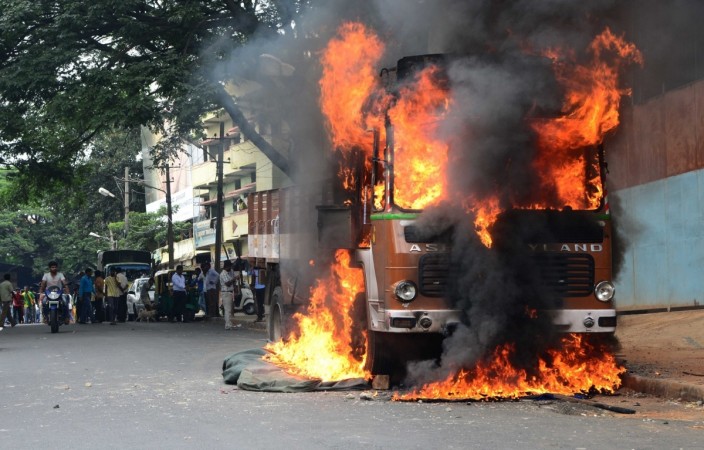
[(245, 170)]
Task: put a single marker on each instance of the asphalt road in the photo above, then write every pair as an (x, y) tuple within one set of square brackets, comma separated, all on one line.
[(159, 385)]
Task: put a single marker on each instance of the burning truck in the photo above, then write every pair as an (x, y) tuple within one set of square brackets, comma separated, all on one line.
[(414, 258)]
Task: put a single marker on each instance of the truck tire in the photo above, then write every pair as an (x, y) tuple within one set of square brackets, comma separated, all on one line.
[(380, 361), (275, 324), (54, 320)]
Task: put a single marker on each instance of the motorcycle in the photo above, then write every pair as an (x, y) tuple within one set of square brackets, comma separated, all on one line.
[(244, 301), (55, 307)]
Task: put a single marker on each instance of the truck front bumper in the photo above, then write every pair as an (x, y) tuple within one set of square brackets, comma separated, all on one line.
[(415, 321), (445, 320), (585, 320)]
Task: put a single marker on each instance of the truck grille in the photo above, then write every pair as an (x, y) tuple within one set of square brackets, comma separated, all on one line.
[(433, 274), (566, 274)]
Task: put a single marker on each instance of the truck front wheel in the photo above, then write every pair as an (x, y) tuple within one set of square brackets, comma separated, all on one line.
[(380, 360)]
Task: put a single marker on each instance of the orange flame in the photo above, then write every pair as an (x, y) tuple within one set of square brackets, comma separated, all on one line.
[(379, 196), (322, 347), (420, 158), (348, 80), (567, 161), (578, 367), (485, 215), (590, 110)]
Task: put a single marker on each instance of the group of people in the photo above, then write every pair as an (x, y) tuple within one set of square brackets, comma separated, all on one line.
[(101, 298), (22, 307), (216, 291), (97, 298), (231, 284), (17, 306)]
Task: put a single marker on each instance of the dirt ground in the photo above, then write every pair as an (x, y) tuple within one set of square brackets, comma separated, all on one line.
[(663, 345), (666, 345)]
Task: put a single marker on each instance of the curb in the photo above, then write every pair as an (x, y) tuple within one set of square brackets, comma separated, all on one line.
[(664, 388), (260, 326), (244, 320)]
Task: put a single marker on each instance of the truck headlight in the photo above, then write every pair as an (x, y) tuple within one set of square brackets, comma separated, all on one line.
[(604, 291), (405, 291)]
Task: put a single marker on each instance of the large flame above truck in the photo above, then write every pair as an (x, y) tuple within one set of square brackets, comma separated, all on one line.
[(524, 277)]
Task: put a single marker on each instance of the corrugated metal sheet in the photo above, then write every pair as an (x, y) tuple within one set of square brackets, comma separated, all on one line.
[(663, 223), (661, 138), (680, 130), (699, 122)]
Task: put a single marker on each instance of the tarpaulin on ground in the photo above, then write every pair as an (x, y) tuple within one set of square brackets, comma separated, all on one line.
[(250, 372)]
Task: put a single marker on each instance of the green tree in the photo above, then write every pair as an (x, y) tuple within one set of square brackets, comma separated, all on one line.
[(53, 222), (148, 231), (15, 238), (71, 69)]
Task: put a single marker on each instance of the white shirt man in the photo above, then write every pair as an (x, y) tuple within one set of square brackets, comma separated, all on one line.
[(211, 279), (178, 285), (227, 286), (178, 282), (54, 279)]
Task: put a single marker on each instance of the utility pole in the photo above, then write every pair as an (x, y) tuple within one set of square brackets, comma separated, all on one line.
[(113, 242), (219, 205), (169, 225), (127, 199)]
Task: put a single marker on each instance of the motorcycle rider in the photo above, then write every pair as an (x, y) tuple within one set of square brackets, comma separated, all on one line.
[(53, 278)]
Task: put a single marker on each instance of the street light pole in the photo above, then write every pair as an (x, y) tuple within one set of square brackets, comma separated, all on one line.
[(169, 211), (169, 225), (127, 199), (112, 241), (219, 205), (106, 193)]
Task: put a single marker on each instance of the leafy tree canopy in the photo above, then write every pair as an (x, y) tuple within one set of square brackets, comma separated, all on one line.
[(148, 231), (55, 223), (70, 69)]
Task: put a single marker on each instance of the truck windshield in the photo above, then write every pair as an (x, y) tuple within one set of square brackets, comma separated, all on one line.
[(572, 181)]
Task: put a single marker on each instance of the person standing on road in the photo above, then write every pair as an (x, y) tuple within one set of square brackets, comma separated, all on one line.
[(122, 301), (227, 286), (211, 290), (112, 295), (70, 300), (6, 299), (178, 284), (259, 289), (85, 295), (199, 283), (17, 306), (29, 305), (98, 308), (38, 318)]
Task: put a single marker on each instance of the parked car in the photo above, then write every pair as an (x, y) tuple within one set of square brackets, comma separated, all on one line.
[(134, 303)]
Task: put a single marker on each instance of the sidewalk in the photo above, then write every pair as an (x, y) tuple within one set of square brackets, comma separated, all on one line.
[(664, 353), (246, 321)]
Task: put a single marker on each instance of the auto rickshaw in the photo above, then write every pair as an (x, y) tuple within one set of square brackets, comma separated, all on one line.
[(163, 293)]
